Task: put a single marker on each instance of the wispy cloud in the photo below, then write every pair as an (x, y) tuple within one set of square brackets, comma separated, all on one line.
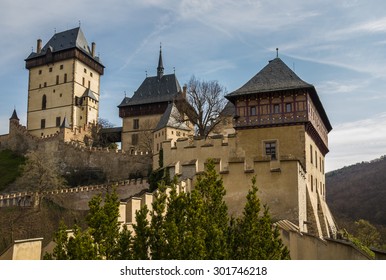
[(357, 141)]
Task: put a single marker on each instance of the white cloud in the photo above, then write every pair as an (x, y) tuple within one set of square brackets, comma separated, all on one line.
[(357, 141)]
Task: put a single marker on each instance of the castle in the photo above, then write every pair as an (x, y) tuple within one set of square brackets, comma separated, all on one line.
[(277, 130)]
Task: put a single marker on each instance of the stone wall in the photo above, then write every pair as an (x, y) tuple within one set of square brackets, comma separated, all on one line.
[(116, 164)]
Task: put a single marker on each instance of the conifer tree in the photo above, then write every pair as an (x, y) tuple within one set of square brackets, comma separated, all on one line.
[(141, 237), (103, 223), (254, 237), (215, 220)]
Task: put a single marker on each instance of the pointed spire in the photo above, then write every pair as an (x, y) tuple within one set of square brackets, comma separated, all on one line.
[(65, 123), (160, 68), (14, 115)]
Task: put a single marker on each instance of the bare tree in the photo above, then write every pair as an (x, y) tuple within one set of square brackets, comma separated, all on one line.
[(207, 100), (40, 174), (98, 138)]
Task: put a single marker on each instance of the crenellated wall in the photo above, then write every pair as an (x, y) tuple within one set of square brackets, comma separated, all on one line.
[(116, 164), (283, 183), (75, 198)]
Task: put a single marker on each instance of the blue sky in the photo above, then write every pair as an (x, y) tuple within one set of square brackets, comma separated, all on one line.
[(338, 46)]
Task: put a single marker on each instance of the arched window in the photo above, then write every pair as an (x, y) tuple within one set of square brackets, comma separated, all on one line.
[(44, 102)]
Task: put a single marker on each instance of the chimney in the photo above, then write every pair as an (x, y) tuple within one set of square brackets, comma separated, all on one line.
[(184, 89), (39, 46), (93, 49)]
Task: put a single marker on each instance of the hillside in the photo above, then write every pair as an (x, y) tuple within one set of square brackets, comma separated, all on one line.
[(359, 192), (23, 222), (9, 167)]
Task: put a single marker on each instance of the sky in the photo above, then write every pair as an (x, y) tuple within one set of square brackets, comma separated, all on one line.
[(338, 46)]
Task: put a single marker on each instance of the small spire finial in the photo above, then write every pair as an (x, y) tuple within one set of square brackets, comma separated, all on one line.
[(277, 52), (125, 93), (174, 70), (160, 68), (79, 23), (146, 73)]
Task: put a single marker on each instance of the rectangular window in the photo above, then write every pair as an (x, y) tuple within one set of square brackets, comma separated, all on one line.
[(311, 154), (134, 139), (65, 78), (57, 121), (288, 107), (276, 108), (50, 69), (136, 124), (270, 149), (89, 84), (43, 123), (61, 67), (40, 72), (83, 81), (252, 111), (316, 159), (85, 70), (312, 183), (57, 79)]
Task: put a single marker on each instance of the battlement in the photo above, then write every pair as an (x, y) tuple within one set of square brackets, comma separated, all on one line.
[(28, 199)]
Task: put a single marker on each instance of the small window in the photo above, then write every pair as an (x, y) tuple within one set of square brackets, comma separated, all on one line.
[(57, 79), (134, 139), (61, 67), (40, 72), (57, 121), (83, 81), (45, 84), (44, 102), (270, 149), (288, 107), (91, 74), (43, 123), (65, 78), (316, 159), (50, 69), (136, 124), (312, 183), (311, 154), (252, 111), (85, 70), (89, 84), (276, 108)]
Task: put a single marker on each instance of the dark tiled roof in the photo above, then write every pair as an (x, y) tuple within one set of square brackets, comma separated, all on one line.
[(73, 38), (170, 119), (65, 123), (229, 110), (14, 115), (90, 93), (154, 90), (276, 76)]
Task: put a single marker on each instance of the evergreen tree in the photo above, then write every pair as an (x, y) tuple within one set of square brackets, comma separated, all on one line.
[(103, 224), (157, 239), (141, 236), (254, 237), (215, 219)]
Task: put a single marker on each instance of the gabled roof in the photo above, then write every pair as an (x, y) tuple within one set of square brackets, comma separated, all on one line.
[(89, 93), (73, 38), (154, 90), (276, 76), (171, 119)]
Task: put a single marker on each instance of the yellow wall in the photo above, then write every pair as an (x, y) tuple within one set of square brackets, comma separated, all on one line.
[(60, 95)]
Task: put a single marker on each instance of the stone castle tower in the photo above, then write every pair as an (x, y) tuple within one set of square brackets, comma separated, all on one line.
[(281, 138), (64, 84)]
